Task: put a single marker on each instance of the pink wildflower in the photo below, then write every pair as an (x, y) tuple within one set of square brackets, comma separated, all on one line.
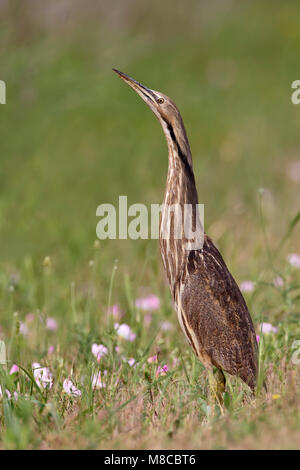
[(166, 326), (247, 286), (14, 369), (151, 302), (29, 317), (162, 370), (23, 329), (124, 331), (268, 328), (152, 359), (294, 260), (8, 394), (70, 388), (116, 312), (99, 350), (42, 375), (51, 324), (97, 381)]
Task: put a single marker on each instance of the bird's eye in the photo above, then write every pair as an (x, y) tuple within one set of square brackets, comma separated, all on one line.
[(160, 100)]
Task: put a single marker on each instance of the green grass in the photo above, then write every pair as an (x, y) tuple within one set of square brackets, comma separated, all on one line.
[(73, 136)]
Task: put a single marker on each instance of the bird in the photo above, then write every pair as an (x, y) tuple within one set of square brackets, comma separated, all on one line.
[(210, 307)]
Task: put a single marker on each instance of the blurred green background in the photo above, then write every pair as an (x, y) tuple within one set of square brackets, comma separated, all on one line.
[(73, 136)]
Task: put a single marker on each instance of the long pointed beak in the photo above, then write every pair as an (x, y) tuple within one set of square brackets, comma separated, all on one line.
[(142, 90)]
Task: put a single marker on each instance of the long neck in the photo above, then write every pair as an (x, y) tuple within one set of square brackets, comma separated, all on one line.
[(180, 187), (180, 191)]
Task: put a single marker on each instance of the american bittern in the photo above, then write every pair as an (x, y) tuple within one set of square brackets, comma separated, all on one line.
[(211, 309)]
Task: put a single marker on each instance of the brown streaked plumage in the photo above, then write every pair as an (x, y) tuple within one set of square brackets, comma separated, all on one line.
[(210, 307)]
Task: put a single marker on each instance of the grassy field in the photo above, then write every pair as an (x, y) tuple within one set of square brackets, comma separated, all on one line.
[(73, 136)]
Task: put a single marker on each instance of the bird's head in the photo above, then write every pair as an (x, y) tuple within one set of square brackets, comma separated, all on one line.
[(168, 114), (162, 106)]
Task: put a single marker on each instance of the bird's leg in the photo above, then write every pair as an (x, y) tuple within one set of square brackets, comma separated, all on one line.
[(217, 384)]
